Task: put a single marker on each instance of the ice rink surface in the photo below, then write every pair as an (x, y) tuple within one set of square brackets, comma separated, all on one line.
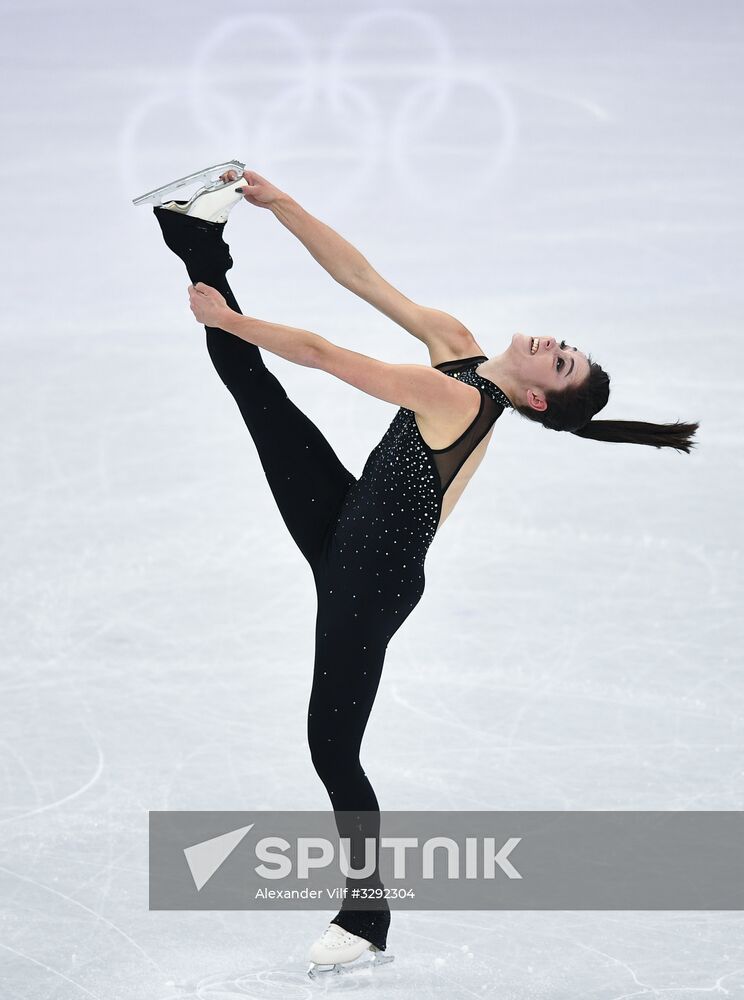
[(570, 169)]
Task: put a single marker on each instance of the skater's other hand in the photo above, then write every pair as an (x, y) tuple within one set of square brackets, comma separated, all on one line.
[(207, 305)]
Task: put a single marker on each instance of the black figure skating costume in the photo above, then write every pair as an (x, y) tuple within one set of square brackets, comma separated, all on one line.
[(365, 540)]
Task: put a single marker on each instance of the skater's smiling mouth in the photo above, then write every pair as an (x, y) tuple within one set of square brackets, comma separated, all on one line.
[(568, 363)]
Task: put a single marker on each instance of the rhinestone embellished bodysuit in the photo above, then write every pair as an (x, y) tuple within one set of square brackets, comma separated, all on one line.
[(365, 541), (391, 514)]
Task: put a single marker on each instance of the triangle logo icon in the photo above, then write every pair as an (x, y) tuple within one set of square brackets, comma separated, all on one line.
[(205, 858)]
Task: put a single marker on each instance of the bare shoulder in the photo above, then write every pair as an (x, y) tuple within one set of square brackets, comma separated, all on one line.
[(451, 345), (458, 404)]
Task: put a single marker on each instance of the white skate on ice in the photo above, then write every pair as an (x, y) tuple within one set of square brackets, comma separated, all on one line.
[(336, 952), (212, 200)]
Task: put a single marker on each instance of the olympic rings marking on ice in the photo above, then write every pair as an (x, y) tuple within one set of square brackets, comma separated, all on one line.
[(344, 89)]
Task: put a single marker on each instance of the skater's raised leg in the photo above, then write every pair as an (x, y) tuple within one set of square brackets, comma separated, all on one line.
[(306, 478)]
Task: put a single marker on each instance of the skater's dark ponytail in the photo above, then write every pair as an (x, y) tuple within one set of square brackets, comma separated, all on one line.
[(677, 435), (573, 410)]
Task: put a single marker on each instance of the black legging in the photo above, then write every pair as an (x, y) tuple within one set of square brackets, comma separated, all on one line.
[(309, 484)]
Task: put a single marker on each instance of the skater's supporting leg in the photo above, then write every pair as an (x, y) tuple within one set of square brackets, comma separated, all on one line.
[(348, 665), (304, 473)]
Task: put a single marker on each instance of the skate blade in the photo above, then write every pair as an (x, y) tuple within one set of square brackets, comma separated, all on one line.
[(209, 178), (326, 972)]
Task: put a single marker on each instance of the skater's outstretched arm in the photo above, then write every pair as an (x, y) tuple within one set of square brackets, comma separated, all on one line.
[(417, 387), (210, 308), (445, 336)]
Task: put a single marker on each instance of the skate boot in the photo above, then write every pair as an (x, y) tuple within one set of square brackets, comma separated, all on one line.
[(338, 952), (211, 201)]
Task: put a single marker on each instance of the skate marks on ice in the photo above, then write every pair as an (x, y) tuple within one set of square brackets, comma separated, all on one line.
[(290, 983), (266, 984), (328, 100)]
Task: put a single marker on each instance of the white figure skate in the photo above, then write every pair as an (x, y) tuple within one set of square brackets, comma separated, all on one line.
[(211, 201), (336, 953)]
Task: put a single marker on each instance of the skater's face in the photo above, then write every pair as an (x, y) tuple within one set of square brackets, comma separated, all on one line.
[(545, 365)]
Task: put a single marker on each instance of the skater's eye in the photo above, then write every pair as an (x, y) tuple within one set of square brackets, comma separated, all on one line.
[(559, 364)]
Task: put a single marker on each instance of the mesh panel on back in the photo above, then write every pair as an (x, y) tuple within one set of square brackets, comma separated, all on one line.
[(450, 460)]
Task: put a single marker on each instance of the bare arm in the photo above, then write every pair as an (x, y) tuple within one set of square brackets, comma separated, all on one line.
[(445, 336), (420, 388), (342, 261), (288, 342), (417, 387), (210, 308), (442, 333)]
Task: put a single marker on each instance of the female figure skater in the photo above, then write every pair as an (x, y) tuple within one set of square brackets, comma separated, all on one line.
[(366, 540)]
